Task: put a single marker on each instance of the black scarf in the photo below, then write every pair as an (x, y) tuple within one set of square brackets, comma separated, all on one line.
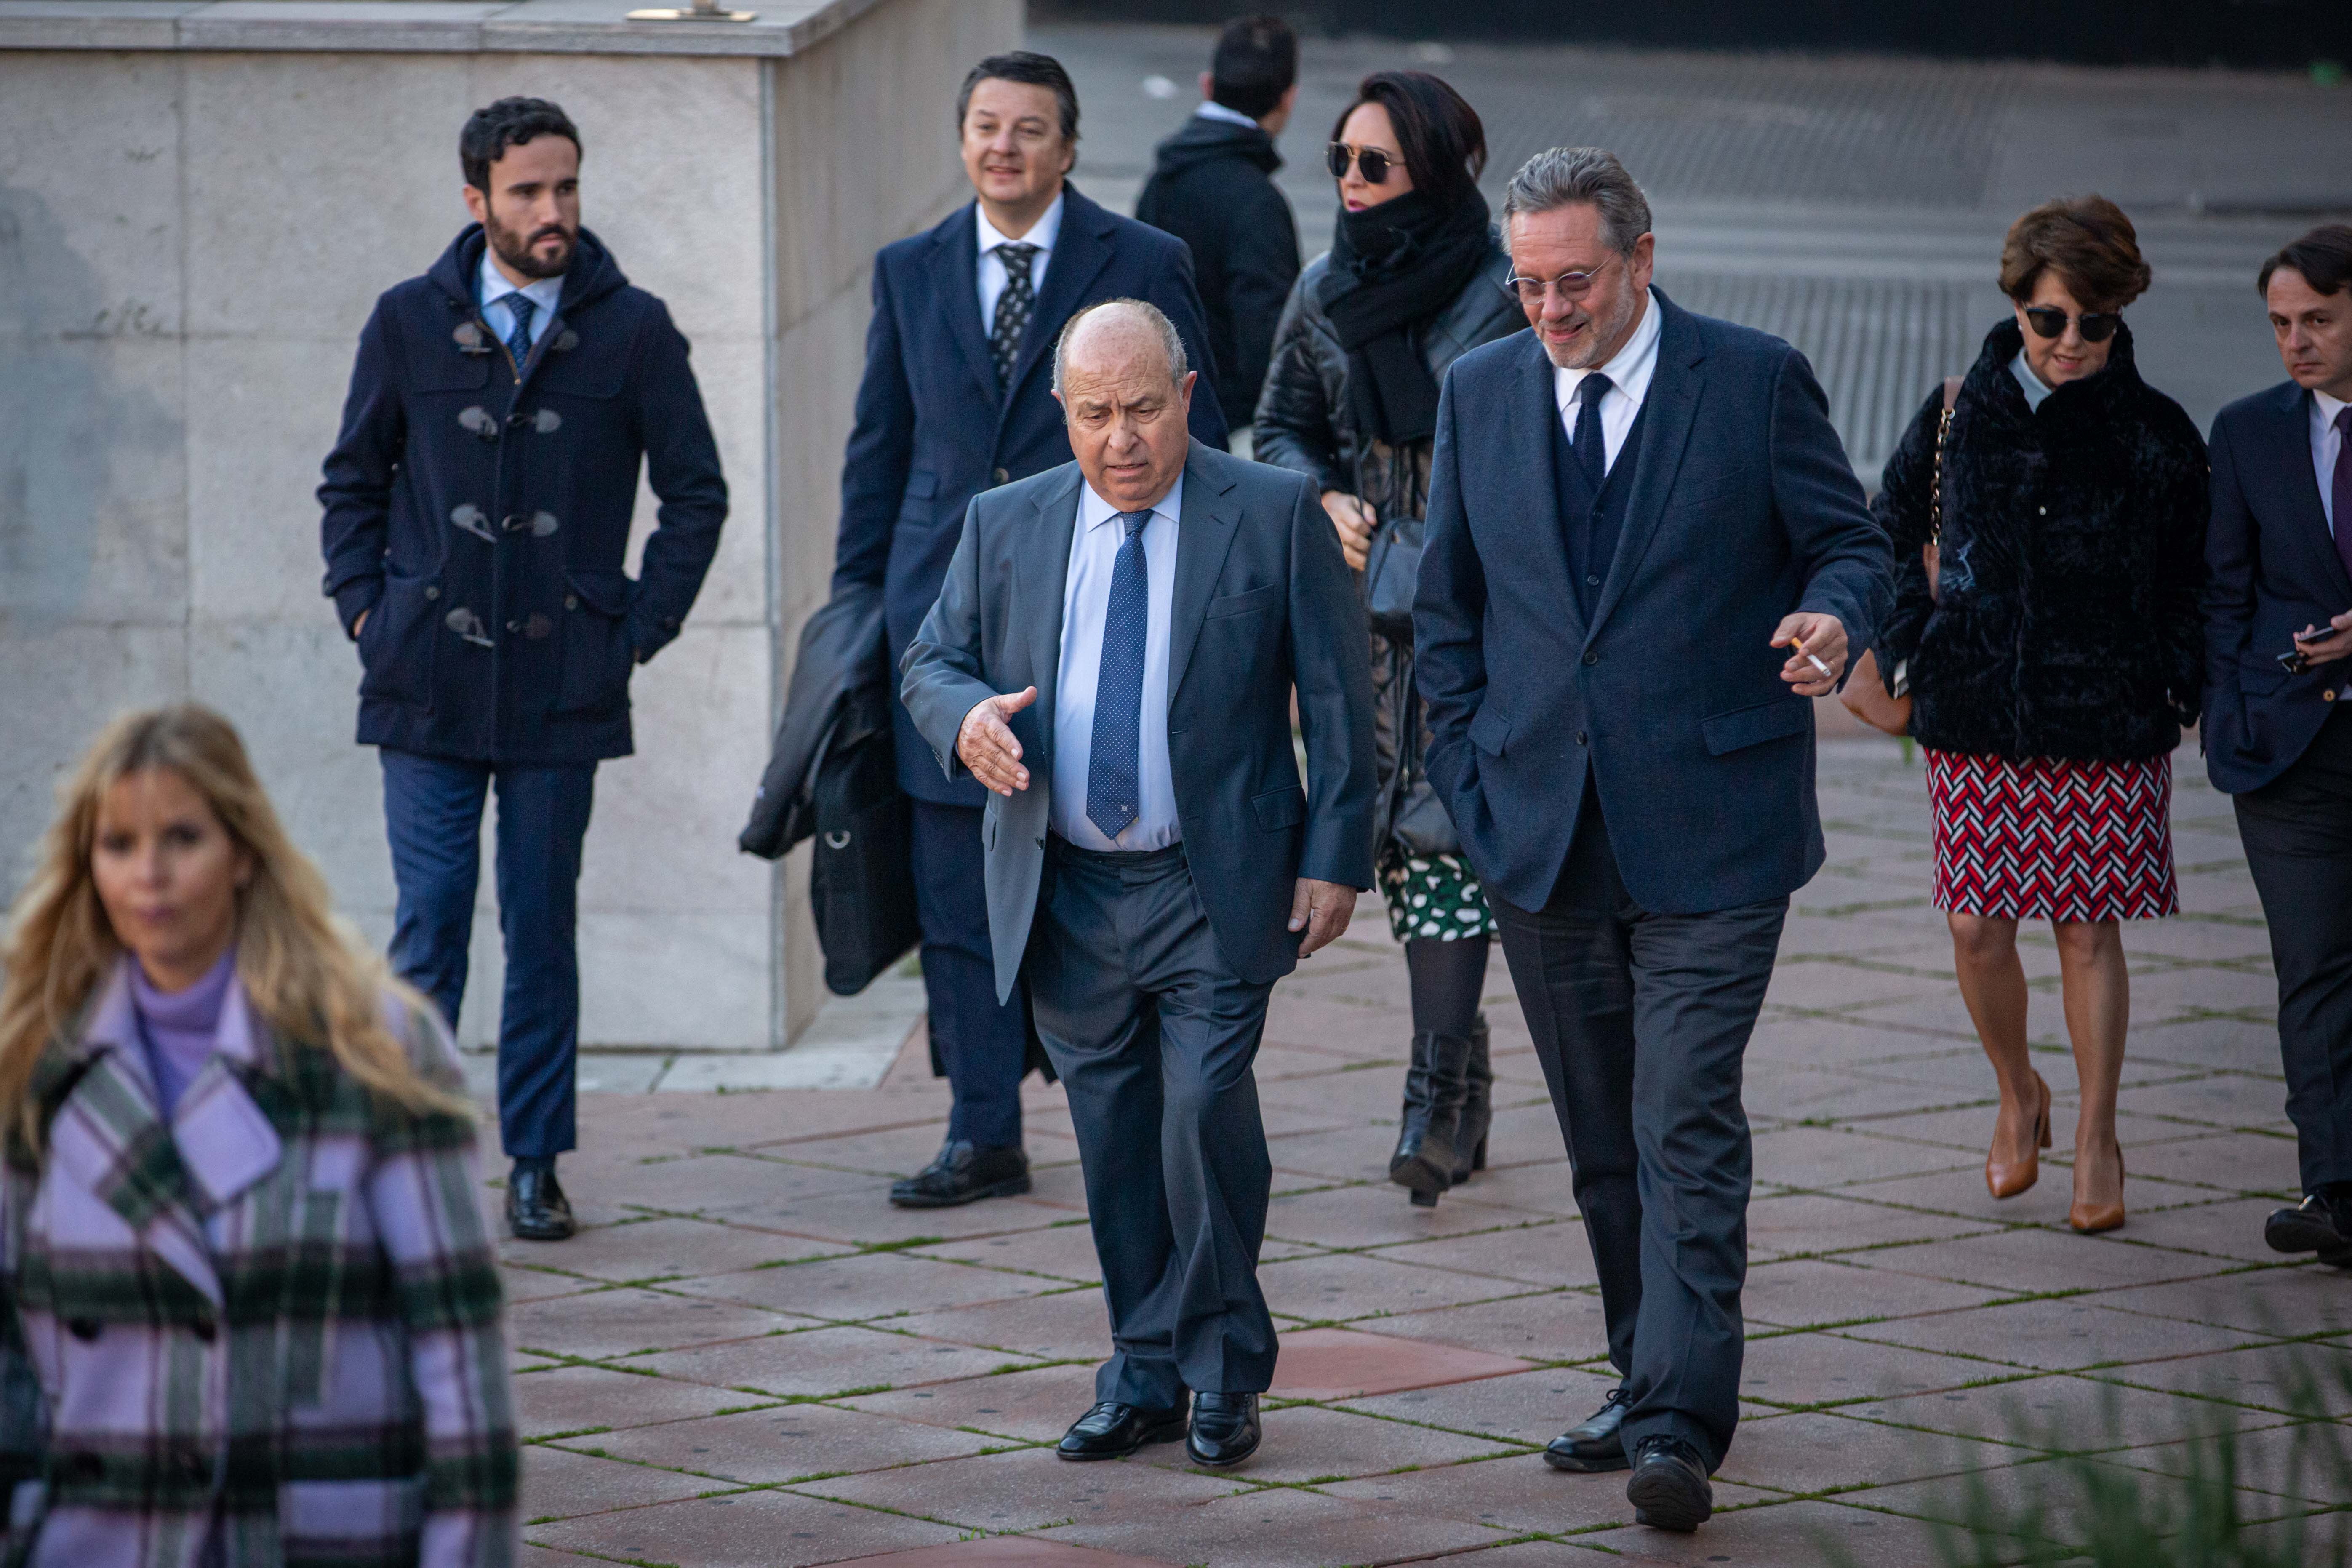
[(1392, 264)]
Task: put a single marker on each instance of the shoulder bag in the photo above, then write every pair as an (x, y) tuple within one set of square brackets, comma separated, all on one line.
[(1865, 693)]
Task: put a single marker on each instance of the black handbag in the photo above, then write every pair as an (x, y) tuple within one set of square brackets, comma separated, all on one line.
[(862, 876), (1421, 823), (1392, 570)]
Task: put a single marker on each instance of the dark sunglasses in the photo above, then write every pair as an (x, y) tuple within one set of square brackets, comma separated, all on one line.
[(2050, 322), (1374, 162)]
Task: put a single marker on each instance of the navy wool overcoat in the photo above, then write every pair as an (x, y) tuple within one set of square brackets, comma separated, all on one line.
[(478, 512)]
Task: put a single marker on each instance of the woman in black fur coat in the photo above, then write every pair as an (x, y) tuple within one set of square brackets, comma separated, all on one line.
[(2051, 661)]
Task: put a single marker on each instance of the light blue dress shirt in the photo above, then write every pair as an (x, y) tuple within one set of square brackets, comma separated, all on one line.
[(544, 292), (1085, 601)]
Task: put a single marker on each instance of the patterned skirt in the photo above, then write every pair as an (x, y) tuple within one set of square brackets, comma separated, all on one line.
[(1433, 897), (2049, 839)]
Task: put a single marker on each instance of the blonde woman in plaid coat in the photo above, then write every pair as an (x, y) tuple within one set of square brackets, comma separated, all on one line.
[(252, 1311)]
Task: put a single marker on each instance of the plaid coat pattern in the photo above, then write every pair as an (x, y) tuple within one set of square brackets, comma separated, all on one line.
[(272, 1324)]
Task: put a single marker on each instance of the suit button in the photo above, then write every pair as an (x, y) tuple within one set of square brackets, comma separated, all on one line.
[(2041, 511), (1591, 582), (570, 601), (2327, 696), (1593, 659), (84, 1329), (431, 591), (1581, 740), (1003, 478)]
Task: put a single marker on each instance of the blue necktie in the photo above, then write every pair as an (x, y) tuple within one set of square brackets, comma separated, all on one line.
[(519, 307), (1114, 765), (1592, 446)]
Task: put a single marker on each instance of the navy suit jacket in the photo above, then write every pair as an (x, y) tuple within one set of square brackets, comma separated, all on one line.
[(1263, 604), (2273, 571), (1743, 510), (934, 428)]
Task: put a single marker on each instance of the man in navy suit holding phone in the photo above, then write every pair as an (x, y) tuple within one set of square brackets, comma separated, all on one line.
[(1646, 552), (957, 400), (2278, 620)]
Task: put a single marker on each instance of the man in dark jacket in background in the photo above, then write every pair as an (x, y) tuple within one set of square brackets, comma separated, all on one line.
[(1213, 190), (476, 518), (958, 398)]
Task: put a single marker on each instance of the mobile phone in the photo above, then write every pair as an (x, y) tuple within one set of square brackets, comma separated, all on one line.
[(2294, 662), (2317, 634)]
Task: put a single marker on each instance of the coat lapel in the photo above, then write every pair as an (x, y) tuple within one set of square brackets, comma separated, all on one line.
[(956, 248), (1669, 411), (226, 1142), (2290, 434), (1081, 250), (1044, 569), (109, 1139), (1531, 411), (1205, 524)]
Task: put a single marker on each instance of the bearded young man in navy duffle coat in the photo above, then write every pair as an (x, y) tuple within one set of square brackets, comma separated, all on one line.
[(478, 510)]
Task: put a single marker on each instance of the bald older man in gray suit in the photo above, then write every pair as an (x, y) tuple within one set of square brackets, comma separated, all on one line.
[(1131, 627)]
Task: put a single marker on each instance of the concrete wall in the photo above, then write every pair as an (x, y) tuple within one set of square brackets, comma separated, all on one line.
[(189, 242)]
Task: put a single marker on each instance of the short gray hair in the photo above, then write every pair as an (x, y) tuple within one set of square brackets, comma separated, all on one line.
[(1153, 318), (1588, 175)]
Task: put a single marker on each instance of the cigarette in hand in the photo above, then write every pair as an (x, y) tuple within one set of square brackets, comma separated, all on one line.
[(1817, 664)]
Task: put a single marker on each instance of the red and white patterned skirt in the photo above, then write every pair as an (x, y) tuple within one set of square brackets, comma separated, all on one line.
[(2050, 839)]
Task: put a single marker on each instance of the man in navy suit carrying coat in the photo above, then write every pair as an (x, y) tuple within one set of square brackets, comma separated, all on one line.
[(1646, 553), (956, 400)]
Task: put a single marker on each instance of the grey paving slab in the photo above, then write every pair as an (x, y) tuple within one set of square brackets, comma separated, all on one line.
[(783, 1443), (747, 1530)]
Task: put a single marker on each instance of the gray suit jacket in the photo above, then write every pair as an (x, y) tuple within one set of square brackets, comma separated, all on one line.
[(1264, 602)]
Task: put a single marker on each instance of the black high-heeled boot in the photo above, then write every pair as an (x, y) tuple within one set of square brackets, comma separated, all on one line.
[(1477, 1107), (1431, 1122)]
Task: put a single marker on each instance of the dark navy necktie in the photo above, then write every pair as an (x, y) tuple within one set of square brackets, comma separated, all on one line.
[(1013, 308), (1115, 765), (2340, 491), (1591, 445), (521, 308)]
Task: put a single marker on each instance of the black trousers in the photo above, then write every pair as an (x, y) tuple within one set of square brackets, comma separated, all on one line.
[(2297, 830), (983, 1045), (1641, 1021), (1153, 1037)]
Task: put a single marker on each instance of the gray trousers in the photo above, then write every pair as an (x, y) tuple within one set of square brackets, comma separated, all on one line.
[(1153, 1037), (1641, 1021)]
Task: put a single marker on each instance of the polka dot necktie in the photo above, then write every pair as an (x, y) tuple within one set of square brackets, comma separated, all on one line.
[(1114, 766), (1013, 308), (521, 308)]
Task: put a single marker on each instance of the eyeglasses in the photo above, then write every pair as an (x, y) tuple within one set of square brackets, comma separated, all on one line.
[(2050, 322), (1373, 163), (1571, 284)]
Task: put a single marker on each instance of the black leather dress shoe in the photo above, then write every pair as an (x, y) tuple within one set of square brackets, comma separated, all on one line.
[(1225, 1429), (1596, 1443), (2314, 1225), (1111, 1430), (963, 1173), (1669, 1489), (537, 1209)]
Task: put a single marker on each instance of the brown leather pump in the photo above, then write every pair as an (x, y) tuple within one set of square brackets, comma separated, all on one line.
[(2008, 1181), (2090, 1219)]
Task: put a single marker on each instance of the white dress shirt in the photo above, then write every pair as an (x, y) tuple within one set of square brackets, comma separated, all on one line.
[(1085, 601), (2327, 442), (545, 293), (1042, 234), (1628, 372), (1211, 109)]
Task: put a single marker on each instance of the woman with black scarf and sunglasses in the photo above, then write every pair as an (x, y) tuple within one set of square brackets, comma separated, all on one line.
[(2052, 650), (1414, 280)]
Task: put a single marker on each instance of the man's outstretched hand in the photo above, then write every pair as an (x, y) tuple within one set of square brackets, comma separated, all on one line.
[(1322, 911), (989, 748)]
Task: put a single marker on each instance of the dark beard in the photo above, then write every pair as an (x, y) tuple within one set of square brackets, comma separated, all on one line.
[(516, 252)]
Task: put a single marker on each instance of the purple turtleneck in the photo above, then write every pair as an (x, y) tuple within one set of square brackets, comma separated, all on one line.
[(179, 1029)]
